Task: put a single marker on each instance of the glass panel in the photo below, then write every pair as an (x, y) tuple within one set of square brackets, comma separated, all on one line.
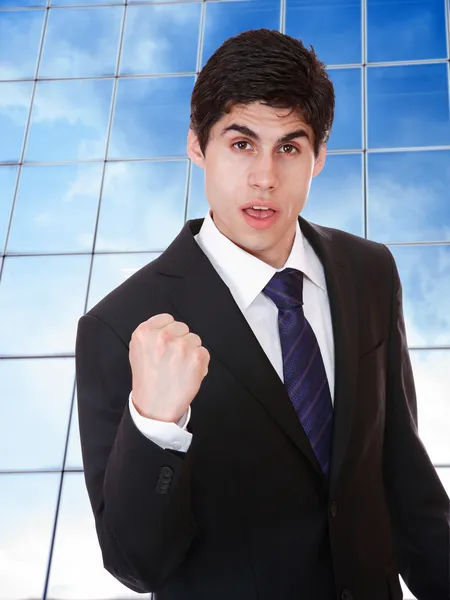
[(142, 205), (444, 475), (81, 42), (151, 1), (8, 177), (20, 36), (151, 118), (161, 39), (41, 300), (432, 378), (18, 3), (74, 459), (56, 209), (226, 19), (333, 28), (77, 570), (408, 106), (198, 205), (346, 133), (34, 412), (110, 270), (14, 108), (395, 27), (26, 531), (69, 120), (84, 2), (425, 275), (408, 196), (335, 198)]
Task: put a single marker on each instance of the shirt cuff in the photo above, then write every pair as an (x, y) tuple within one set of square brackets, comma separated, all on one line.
[(169, 436)]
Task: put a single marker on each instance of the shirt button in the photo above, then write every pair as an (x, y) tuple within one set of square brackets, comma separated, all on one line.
[(176, 446), (346, 595), (333, 510)]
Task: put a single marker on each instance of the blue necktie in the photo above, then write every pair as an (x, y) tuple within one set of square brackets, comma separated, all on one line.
[(304, 372)]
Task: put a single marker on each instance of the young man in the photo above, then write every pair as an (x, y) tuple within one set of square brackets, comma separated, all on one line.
[(246, 401)]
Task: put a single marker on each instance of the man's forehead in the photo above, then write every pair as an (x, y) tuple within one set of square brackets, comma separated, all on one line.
[(255, 114), (259, 108)]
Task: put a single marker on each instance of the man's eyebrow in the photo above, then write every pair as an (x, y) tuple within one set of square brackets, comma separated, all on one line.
[(298, 133)]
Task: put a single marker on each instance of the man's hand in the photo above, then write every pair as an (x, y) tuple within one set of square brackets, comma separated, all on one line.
[(168, 365)]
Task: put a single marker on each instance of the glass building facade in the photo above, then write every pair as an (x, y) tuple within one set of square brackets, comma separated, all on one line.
[(95, 183)]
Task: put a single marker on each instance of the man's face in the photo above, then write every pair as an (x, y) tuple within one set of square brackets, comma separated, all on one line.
[(245, 163)]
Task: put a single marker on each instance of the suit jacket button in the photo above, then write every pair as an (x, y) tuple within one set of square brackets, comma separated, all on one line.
[(166, 472), (346, 595), (333, 514), (161, 488)]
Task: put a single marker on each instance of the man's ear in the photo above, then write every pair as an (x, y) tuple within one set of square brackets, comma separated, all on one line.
[(320, 161), (193, 149)]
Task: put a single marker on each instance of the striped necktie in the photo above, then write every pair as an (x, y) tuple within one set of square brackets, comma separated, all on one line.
[(304, 372)]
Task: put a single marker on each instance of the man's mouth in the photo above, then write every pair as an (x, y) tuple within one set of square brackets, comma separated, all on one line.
[(259, 213), (260, 219)]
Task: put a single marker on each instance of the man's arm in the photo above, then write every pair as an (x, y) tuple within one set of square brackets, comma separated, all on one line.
[(418, 503), (139, 492)]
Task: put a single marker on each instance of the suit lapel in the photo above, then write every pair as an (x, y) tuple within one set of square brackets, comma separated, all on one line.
[(201, 299), (343, 308)]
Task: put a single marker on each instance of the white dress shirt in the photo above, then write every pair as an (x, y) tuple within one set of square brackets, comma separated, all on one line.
[(246, 276)]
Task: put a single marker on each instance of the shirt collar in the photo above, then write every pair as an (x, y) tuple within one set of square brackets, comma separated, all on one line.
[(244, 274)]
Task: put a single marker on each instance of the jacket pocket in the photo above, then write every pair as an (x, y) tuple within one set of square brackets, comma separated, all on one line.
[(372, 351)]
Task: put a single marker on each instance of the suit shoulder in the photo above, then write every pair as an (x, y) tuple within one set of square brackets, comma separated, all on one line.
[(356, 249), (368, 261)]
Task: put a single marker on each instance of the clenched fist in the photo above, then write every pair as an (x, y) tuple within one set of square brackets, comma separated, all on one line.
[(168, 365)]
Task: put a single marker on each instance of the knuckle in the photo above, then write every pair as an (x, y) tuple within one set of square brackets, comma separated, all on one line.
[(180, 327), (182, 345), (164, 335), (137, 333), (202, 353), (194, 339), (158, 321)]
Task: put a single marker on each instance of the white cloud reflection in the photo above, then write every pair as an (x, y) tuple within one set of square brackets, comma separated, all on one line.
[(432, 378), (77, 571), (425, 275), (408, 196), (56, 208), (142, 205), (20, 37), (25, 532), (41, 299), (36, 397), (161, 38), (81, 42)]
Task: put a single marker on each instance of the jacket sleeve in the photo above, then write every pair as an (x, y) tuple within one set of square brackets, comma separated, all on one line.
[(139, 492), (418, 503)]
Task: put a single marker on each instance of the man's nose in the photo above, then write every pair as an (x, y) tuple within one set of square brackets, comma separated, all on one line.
[(263, 172)]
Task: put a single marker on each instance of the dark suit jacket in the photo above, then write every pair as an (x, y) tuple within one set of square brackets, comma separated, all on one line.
[(246, 513)]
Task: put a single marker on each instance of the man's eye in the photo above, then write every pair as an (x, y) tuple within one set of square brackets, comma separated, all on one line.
[(289, 146), (242, 143)]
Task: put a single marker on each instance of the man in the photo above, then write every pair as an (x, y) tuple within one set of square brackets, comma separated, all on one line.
[(246, 401)]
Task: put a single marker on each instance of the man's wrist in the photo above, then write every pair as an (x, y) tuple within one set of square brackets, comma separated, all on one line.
[(180, 422)]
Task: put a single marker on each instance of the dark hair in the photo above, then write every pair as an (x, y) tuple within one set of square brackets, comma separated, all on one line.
[(267, 66)]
